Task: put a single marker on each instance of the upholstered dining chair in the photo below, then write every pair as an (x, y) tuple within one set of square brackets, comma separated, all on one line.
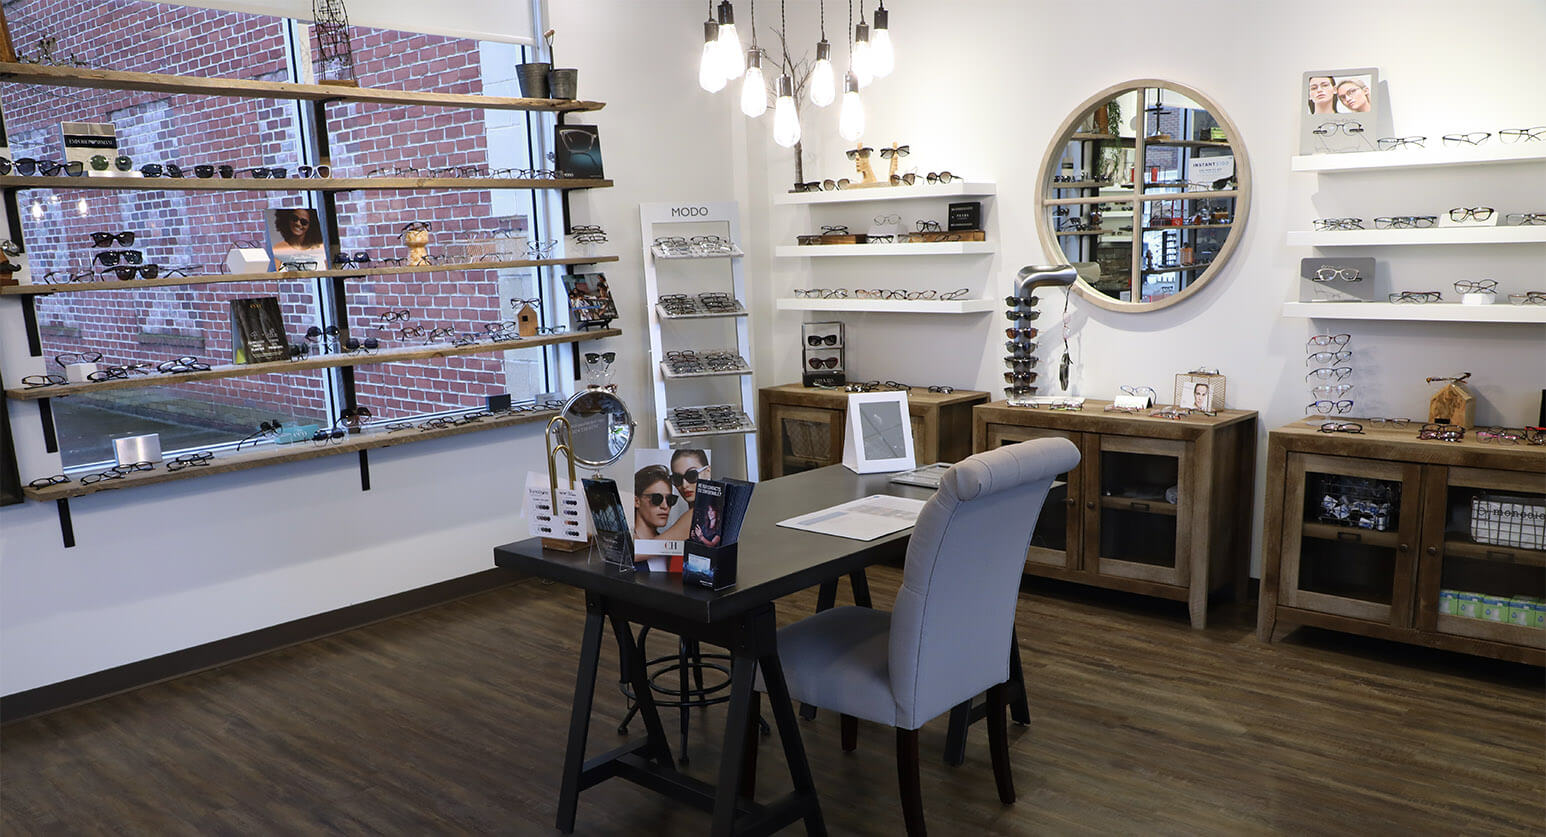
[(948, 638)]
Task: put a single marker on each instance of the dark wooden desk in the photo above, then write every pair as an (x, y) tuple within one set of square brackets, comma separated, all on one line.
[(774, 562)]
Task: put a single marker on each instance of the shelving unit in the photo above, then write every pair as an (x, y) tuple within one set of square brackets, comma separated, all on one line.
[(319, 97), (1435, 312), (931, 248), (1421, 158), (922, 191), (1435, 235), (654, 220), (891, 306)]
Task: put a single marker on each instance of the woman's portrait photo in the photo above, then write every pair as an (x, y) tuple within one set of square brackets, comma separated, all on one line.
[(295, 237), (665, 488), (1340, 112), (653, 501)]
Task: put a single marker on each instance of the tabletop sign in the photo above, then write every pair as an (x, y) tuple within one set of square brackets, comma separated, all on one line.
[(879, 434)]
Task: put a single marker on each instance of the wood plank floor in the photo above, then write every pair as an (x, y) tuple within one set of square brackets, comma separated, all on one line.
[(452, 720)]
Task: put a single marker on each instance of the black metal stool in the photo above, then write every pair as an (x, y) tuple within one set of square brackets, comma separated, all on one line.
[(688, 659)]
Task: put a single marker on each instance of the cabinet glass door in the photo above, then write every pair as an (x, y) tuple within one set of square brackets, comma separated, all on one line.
[(1055, 541), (1137, 521), (805, 438), (1349, 530), (1484, 555)]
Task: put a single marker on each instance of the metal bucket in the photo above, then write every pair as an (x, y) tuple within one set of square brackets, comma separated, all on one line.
[(563, 84), (534, 79)]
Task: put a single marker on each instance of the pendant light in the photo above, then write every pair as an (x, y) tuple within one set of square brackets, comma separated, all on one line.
[(850, 122), (823, 80), (861, 62), (710, 78), (786, 120), (882, 56), (754, 90), (732, 59)]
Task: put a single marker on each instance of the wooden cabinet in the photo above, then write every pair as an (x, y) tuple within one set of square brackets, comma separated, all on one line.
[(1157, 506), (1428, 542), (802, 427)]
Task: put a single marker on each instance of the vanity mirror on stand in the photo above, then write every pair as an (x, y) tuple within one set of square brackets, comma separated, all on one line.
[(1146, 192)]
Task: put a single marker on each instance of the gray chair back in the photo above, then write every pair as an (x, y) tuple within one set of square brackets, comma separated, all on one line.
[(950, 629)]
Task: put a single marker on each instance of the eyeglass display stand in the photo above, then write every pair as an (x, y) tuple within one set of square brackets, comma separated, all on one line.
[(824, 348), (1030, 278), (699, 330)]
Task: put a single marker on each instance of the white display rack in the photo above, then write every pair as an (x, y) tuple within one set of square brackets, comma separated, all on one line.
[(1436, 235), (1417, 158), (1436, 312), (892, 306), (930, 248), (744, 427), (660, 253), (743, 369), (953, 189), (655, 220)]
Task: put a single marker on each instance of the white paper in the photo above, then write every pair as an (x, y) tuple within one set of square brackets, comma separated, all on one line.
[(568, 520), (864, 519)]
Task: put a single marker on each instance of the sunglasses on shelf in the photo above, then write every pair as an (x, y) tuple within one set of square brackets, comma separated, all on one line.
[(823, 362), (821, 339), (49, 168), (208, 170), (106, 239), (161, 170), (268, 172), (125, 272), (100, 162), (313, 171), (600, 357), (112, 257), (1467, 213)]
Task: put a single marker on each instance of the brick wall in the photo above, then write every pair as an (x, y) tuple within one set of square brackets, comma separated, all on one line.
[(194, 228)]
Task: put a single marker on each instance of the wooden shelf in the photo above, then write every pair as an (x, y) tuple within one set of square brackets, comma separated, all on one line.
[(931, 248), (268, 454), (1492, 154), (1332, 532), (1189, 227), (1493, 631), (218, 278), (1139, 505), (1435, 235), (1103, 138), (1434, 312), (892, 306), (328, 361), (293, 184), (953, 189), (1177, 269), (1466, 548), (250, 89)]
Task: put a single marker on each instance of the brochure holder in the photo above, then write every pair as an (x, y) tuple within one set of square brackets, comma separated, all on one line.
[(878, 433), (713, 567)]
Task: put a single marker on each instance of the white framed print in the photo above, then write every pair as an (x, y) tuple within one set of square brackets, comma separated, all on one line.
[(878, 433)]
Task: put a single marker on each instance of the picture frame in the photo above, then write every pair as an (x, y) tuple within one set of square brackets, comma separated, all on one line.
[(577, 151), (878, 435), (1200, 387), (1341, 111)]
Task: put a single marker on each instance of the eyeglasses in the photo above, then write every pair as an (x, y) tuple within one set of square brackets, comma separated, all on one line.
[(541, 249), (1027, 332), (942, 389), (940, 177), (1340, 427), (1472, 138), (207, 170), (1327, 373), (1528, 298), (600, 357), (67, 358), (1329, 340), (297, 265), (1462, 213), (159, 169), (1326, 407), (655, 498), (333, 436), (353, 416), (39, 381), (106, 239), (1499, 435), (190, 460), (266, 172), (887, 219), (354, 345), (688, 476), (360, 259), (1391, 422), (179, 365), (312, 171), (823, 362), (1020, 377), (1415, 297), (1171, 413), (1330, 391), (834, 229), (112, 257), (925, 225), (1405, 222), (1335, 274), (1513, 135), (1328, 224), (267, 428), (1022, 314), (416, 226), (45, 482), (1390, 143), (125, 272), (1441, 432), (898, 151), (1524, 219), (1327, 129), (1329, 358), (1476, 286), (1022, 351), (1140, 392), (49, 168)]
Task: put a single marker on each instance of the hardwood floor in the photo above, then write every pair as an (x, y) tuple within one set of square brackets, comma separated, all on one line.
[(453, 720)]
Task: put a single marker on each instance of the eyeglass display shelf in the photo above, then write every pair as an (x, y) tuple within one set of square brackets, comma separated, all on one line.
[(294, 184), (327, 361), (247, 88), (1188, 227), (891, 306), (280, 276), (1180, 268), (1417, 158), (665, 371), (699, 315), (744, 427), (1436, 312), (953, 189), (1083, 232), (1082, 184), (1434, 235), (271, 454), (928, 248), (660, 253)]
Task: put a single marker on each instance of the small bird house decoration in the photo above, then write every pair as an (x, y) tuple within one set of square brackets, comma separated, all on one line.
[(1452, 404)]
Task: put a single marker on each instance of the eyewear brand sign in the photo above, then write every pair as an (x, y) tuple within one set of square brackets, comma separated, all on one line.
[(690, 212), (1212, 169)]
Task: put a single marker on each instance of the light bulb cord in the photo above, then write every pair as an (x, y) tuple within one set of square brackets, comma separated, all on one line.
[(850, 34), (754, 24), (783, 34), (822, 6)]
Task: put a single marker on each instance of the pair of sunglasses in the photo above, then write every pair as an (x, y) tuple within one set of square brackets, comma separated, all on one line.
[(100, 162), (600, 357), (688, 476), (819, 339), (48, 168), (126, 272), (655, 498), (112, 257), (106, 239)]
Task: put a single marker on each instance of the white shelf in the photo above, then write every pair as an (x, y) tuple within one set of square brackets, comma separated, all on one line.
[(660, 311), (735, 253), (1491, 154), (953, 189), (665, 371), (1436, 312), (892, 306), (932, 248), (1437, 235)]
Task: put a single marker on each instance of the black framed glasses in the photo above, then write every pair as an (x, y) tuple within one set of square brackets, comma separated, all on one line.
[(821, 339), (942, 389), (1441, 432), (182, 364), (161, 170), (823, 362), (332, 436), (45, 482), (1406, 222), (359, 259), (1328, 340), (353, 416), (1327, 407), (1513, 135), (1471, 213), (125, 272), (600, 357), (1392, 143), (107, 239), (687, 477), (1472, 138), (48, 168), (112, 257), (518, 304), (39, 381), (939, 177), (208, 170), (355, 345), (1340, 427), (68, 358), (1329, 224), (268, 172), (190, 460), (896, 151), (925, 225), (854, 153), (1476, 286), (297, 265), (1415, 297), (834, 229)]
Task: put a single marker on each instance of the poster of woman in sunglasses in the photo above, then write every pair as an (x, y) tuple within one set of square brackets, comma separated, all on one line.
[(295, 239), (665, 487), (1340, 111)]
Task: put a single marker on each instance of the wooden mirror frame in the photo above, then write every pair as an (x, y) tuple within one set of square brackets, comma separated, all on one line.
[(1241, 195)]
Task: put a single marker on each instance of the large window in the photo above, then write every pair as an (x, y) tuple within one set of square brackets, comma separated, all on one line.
[(197, 229)]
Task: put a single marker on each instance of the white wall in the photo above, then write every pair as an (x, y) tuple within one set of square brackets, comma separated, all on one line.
[(163, 568), (981, 86)]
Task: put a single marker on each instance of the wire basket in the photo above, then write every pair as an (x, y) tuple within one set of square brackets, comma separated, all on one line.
[(1508, 520), (1356, 502)]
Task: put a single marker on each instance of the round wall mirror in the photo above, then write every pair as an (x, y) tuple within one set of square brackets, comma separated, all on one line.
[(1145, 192), (600, 427)]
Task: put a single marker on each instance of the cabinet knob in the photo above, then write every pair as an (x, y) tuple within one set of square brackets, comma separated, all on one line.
[(1069, 501), (1402, 547), (1433, 550), (1089, 504)]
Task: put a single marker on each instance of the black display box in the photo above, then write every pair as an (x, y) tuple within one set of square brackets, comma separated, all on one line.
[(965, 216), (713, 567)]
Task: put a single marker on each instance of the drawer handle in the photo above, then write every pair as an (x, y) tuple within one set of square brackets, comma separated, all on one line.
[(1069, 501), (1350, 537)]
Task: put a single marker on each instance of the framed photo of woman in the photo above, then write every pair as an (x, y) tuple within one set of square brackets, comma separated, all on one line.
[(1341, 111)]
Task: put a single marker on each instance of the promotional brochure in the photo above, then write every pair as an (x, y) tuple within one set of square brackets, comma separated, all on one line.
[(258, 331), (590, 300), (665, 490), (612, 532)]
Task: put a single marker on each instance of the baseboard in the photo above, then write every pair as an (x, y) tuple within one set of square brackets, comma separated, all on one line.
[(101, 684)]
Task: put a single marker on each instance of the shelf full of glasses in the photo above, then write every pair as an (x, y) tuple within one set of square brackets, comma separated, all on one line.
[(891, 306), (1433, 312), (732, 422), (294, 184), (929, 248), (286, 275), (251, 89), (325, 361), (1535, 234), (873, 194), (1417, 158)]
